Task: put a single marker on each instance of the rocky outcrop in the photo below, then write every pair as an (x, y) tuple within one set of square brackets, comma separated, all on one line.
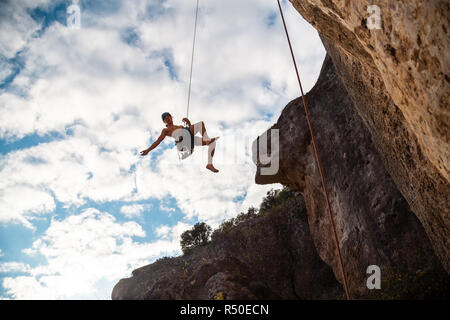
[(398, 78), (375, 224), (270, 256)]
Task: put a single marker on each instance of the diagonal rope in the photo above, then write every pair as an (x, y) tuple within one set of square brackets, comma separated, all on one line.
[(192, 60), (316, 153)]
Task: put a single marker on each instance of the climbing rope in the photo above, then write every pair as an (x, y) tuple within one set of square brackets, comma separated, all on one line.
[(192, 60), (183, 151), (316, 153)]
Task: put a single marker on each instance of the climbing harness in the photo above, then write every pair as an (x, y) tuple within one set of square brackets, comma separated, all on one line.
[(316, 153), (185, 146)]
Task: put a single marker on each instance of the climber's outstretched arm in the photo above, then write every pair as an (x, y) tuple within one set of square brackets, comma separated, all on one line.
[(156, 143)]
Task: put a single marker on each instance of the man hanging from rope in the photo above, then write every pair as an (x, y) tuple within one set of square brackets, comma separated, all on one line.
[(173, 130)]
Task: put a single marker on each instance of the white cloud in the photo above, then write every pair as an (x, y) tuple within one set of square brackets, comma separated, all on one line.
[(16, 25), (132, 211), (166, 208), (14, 267), (172, 233), (6, 69), (86, 255), (163, 231), (74, 169), (19, 203), (78, 78)]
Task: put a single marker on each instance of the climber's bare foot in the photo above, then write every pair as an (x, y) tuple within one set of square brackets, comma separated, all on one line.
[(211, 167)]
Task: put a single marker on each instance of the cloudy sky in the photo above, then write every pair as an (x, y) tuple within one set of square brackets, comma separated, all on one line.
[(79, 208)]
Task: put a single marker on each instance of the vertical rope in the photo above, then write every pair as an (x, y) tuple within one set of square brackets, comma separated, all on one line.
[(192, 60), (316, 153)]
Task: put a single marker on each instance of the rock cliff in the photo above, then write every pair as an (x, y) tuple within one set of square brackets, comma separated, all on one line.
[(270, 256), (398, 78), (375, 224)]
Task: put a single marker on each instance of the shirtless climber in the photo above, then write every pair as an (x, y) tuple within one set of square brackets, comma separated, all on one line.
[(194, 129)]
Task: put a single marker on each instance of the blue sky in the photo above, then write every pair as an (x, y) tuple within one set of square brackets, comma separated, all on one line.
[(79, 208)]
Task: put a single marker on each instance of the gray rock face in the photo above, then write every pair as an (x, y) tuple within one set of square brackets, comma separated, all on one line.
[(267, 257), (374, 222), (398, 78)]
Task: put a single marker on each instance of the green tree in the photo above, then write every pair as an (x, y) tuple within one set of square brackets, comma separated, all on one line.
[(197, 236), (244, 216), (275, 198)]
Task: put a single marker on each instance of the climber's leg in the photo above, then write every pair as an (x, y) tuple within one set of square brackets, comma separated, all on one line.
[(211, 150), (199, 127)]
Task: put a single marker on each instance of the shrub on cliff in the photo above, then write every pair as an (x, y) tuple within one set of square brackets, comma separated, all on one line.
[(201, 232), (275, 198), (227, 225), (197, 236)]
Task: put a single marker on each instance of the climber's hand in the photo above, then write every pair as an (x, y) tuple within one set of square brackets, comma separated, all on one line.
[(145, 152), (187, 121)]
